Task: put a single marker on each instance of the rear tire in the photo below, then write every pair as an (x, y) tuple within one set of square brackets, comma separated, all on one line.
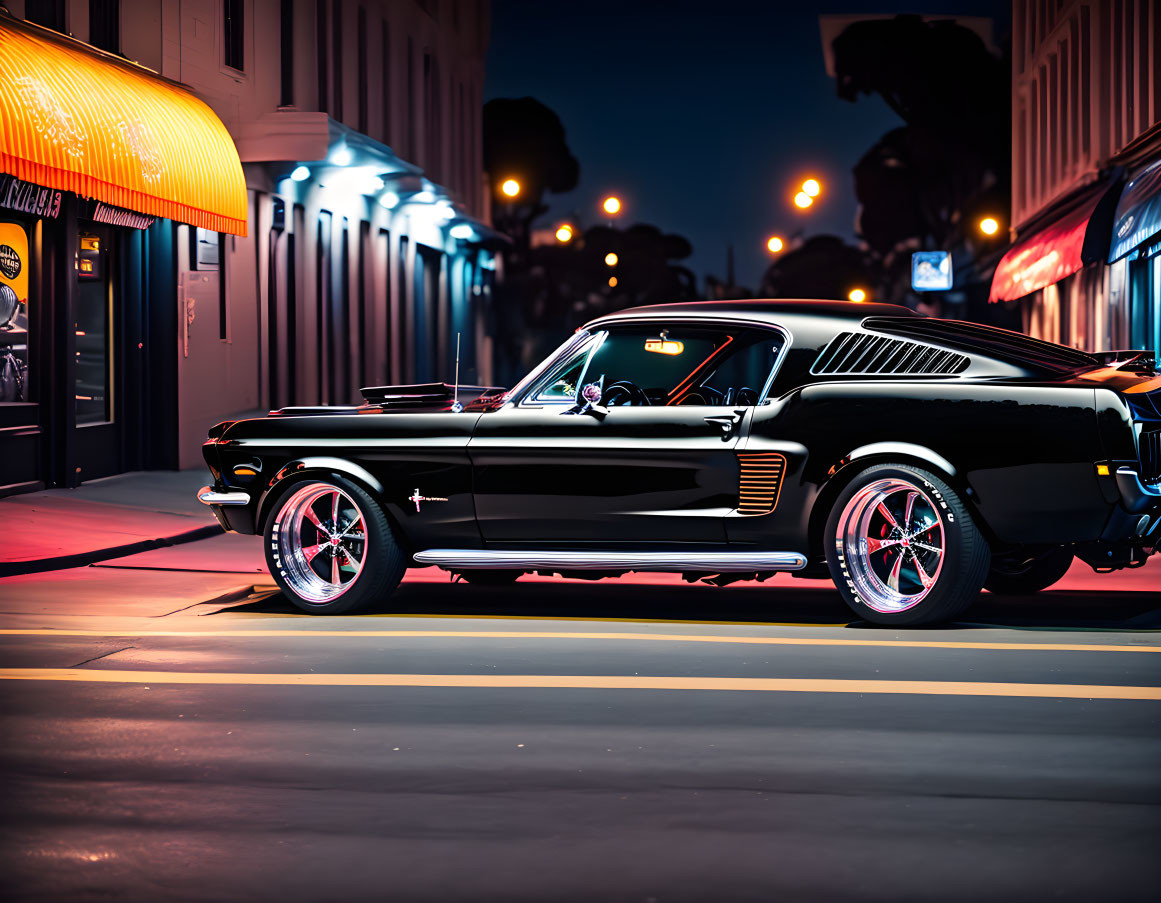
[(1023, 577), (902, 548), (330, 548)]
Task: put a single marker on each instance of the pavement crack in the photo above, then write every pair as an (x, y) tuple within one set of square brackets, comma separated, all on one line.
[(102, 655)]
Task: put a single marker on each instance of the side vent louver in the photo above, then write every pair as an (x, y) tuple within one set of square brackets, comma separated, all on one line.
[(760, 481), (853, 352)]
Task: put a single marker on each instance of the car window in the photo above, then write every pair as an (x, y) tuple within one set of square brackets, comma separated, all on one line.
[(662, 365), (739, 378)]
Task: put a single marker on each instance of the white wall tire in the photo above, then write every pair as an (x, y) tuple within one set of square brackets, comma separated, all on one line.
[(903, 549), (330, 548)]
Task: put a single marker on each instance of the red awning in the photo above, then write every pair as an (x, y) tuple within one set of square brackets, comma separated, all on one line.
[(1057, 250)]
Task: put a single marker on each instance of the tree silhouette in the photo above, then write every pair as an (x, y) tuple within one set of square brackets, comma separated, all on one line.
[(925, 184), (824, 266), (524, 140)]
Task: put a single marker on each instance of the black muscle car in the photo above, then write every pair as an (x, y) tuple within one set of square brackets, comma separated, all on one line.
[(914, 460)]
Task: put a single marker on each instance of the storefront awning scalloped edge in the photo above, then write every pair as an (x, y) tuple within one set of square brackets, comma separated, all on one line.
[(77, 121)]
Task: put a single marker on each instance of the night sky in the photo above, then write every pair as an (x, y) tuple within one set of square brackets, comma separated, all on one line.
[(703, 117)]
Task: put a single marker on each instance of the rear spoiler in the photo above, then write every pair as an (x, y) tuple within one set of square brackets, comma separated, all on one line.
[(1131, 361)]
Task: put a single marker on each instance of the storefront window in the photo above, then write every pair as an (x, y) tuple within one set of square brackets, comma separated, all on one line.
[(92, 330), (14, 344)]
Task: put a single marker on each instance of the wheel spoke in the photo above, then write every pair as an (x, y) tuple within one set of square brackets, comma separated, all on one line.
[(927, 548), (356, 522), (923, 575), (310, 552), (890, 518), (912, 497), (335, 510), (313, 518), (893, 579), (876, 545)]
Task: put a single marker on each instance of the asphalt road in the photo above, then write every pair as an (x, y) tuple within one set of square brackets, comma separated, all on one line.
[(631, 740)]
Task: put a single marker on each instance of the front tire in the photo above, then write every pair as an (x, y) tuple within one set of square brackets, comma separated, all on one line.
[(902, 548), (1024, 576), (330, 548)]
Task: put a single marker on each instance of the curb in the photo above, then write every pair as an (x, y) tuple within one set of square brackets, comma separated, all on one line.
[(82, 559)]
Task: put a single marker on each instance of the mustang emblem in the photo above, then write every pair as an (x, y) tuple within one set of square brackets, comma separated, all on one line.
[(417, 498)]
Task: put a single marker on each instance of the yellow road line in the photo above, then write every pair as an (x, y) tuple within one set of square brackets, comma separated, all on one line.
[(593, 682), (570, 635)]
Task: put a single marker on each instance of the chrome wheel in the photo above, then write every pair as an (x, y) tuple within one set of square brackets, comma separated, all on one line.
[(321, 540), (891, 536)]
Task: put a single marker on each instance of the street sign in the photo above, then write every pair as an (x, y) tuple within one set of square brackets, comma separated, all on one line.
[(931, 271)]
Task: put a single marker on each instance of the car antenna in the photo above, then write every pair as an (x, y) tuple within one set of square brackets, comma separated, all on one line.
[(456, 406)]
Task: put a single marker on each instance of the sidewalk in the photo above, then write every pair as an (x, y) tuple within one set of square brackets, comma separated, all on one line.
[(104, 519)]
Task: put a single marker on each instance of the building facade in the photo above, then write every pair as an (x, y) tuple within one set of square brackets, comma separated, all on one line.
[(364, 252), (1085, 262)]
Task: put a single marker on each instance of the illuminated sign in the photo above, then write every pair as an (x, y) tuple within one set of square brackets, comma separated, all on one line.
[(29, 198), (14, 259), (931, 271)]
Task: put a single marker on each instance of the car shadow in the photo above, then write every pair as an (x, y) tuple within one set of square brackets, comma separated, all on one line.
[(790, 603)]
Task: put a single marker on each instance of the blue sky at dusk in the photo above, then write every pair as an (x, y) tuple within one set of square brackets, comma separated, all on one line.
[(701, 116)]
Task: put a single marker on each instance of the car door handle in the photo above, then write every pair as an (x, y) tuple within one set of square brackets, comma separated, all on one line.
[(727, 422)]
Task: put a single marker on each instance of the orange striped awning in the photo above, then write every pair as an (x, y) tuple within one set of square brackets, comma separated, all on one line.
[(82, 121)]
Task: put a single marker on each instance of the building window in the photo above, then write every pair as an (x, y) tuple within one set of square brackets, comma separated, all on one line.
[(361, 56), (385, 39), (233, 31), (105, 24), (410, 101), (286, 94), (337, 53), (49, 13), (320, 28)]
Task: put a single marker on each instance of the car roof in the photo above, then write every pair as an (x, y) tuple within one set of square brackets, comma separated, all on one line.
[(773, 310)]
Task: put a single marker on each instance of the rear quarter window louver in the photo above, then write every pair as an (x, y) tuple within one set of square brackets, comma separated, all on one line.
[(860, 353)]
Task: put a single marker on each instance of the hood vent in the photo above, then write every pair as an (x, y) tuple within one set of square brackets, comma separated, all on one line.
[(860, 353)]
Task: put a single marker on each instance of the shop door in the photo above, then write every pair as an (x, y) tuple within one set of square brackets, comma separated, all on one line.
[(98, 433)]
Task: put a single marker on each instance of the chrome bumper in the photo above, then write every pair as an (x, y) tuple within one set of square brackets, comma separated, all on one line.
[(1135, 495), (208, 496)]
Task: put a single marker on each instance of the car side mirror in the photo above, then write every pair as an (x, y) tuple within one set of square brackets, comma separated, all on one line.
[(593, 409)]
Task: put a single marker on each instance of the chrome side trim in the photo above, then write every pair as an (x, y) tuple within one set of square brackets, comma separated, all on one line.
[(675, 561), (207, 496), (1137, 496)]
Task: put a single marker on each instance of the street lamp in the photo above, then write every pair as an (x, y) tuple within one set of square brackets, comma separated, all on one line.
[(612, 205), (564, 234), (803, 200), (510, 187), (857, 295), (611, 259), (612, 282), (774, 244), (989, 225), (811, 188)]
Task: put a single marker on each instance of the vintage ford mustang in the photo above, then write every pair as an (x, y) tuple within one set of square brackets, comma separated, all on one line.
[(914, 460)]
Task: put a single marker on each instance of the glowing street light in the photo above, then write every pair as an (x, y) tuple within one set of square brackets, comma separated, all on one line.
[(611, 259), (989, 225), (811, 188), (803, 200), (774, 244), (612, 205), (510, 187), (857, 295), (564, 234), (612, 282)]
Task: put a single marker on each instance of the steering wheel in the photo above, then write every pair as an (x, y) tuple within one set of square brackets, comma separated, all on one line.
[(746, 397), (624, 392)]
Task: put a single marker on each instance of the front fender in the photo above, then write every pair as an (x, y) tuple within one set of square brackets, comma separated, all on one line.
[(313, 464)]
